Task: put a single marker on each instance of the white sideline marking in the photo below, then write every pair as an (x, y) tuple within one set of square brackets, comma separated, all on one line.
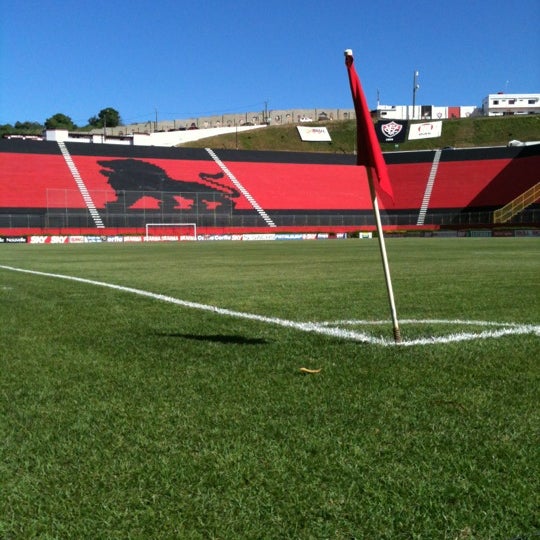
[(326, 328)]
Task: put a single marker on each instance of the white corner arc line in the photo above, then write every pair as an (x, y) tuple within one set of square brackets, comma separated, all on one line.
[(461, 322), (243, 190), (323, 328)]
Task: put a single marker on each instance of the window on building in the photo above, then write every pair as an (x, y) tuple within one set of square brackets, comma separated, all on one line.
[(532, 101), (495, 102)]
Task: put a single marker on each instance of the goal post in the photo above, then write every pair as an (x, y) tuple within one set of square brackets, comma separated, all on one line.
[(170, 231)]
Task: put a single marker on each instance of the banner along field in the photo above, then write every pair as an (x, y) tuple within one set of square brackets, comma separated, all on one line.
[(156, 390)]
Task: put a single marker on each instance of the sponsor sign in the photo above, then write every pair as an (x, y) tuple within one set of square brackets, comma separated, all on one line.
[(259, 236), (503, 232), (287, 236), (39, 239), (443, 234), (59, 240), (13, 239), (525, 232), (313, 133), (153, 238), (426, 130), (77, 239), (216, 237), (391, 131)]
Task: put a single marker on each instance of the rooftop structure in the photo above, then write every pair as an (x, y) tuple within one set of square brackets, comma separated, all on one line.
[(503, 104)]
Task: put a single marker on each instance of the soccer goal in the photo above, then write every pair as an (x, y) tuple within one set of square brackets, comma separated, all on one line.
[(157, 232)]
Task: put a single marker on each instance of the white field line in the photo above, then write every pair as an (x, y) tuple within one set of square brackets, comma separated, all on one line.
[(460, 322), (325, 328)]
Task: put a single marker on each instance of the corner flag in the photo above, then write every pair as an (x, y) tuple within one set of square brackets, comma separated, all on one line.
[(370, 156), (368, 153)]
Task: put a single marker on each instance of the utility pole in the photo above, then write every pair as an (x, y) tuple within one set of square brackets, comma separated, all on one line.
[(416, 86)]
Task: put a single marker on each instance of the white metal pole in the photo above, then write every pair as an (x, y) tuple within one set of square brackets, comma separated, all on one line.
[(382, 247)]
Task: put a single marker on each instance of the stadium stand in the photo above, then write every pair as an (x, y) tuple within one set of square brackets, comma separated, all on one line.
[(239, 190)]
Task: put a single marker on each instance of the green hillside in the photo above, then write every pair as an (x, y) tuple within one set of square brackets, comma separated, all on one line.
[(459, 133)]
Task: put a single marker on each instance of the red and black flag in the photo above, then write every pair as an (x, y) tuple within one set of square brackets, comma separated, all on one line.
[(368, 149)]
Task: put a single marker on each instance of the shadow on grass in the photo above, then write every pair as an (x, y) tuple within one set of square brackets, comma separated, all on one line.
[(219, 338)]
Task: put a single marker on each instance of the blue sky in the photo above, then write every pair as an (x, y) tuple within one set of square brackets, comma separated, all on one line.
[(185, 58)]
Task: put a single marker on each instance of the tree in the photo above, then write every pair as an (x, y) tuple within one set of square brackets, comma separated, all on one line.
[(60, 121), (6, 129), (108, 117), (21, 128), (34, 128)]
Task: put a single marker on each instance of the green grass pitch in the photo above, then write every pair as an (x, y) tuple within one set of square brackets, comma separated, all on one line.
[(126, 416)]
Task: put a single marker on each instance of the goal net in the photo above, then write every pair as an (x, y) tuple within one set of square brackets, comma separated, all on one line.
[(163, 232)]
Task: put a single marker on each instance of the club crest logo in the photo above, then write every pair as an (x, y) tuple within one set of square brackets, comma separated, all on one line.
[(391, 129)]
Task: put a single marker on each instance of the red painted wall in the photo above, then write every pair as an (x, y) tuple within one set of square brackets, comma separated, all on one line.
[(32, 180)]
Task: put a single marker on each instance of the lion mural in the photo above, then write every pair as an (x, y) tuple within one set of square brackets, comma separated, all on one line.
[(133, 179)]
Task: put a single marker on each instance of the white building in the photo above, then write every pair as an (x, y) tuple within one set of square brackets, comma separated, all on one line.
[(502, 104), (165, 138), (425, 112)]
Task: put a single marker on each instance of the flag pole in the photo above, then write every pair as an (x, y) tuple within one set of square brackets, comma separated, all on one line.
[(384, 258), (369, 155)]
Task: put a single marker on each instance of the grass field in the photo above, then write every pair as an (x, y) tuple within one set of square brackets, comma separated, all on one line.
[(130, 416)]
